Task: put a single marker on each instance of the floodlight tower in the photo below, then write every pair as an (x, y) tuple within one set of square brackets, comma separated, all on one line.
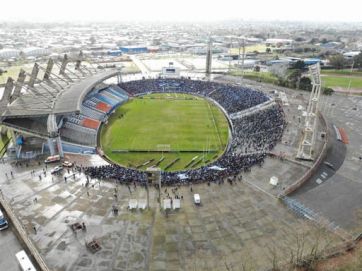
[(241, 45), (306, 146), (209, 58)]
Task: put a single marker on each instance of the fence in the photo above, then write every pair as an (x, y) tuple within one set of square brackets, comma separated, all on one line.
[(304, 212)]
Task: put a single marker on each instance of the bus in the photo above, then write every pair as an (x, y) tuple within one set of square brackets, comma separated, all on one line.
[(52, 159), (24, 261)]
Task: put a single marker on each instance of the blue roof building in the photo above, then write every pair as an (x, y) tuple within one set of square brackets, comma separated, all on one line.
[(133, 49)]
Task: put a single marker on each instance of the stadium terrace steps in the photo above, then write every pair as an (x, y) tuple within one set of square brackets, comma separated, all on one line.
[(79, 137), (95, 100), (91, 123), (79, 149), (82, 120), (105, 99), (115, 94), (112, 95), (119, 90), (92, 113), (78, 134), (103, 107), (79, 127), (89, 103), (82, 128)]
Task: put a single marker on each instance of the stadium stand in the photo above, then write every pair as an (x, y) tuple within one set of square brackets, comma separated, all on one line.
[(82, 128), (105, 99), (73, 148), (232, 98), (103, 107), (91, 123), (253, 135), (92, 112), (78, 134)]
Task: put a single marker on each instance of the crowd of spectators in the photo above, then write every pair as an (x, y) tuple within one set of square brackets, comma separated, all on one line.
[(252, 137), (232, 98), (228, 165), (260, 131)]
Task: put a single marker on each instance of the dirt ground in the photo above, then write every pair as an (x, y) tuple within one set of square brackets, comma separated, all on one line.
[(351, 260)]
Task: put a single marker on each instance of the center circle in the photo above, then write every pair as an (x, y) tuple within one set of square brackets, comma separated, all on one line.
[(172, 131)]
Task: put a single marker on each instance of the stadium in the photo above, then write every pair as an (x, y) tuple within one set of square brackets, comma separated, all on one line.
[(70, 120), (141, 149)]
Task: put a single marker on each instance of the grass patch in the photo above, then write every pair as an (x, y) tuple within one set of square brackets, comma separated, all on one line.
[(261, 48), (130, 67), (265, 77), (161, 122), (342, 81), (342, 72), (13, 72)]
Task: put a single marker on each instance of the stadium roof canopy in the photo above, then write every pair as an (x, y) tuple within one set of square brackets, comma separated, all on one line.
[(54, 98)]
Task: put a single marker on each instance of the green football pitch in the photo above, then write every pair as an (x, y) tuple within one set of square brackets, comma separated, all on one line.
[(169, 130)]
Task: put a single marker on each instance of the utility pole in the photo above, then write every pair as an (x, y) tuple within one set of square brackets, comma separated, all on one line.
[(350, 79), (242, 59)]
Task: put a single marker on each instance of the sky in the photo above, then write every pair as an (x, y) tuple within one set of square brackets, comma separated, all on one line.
[(181, 10)]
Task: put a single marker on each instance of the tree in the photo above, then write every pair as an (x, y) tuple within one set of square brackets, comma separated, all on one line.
[(328, 91), (314, 40), (280, 70), (22, 55), (337, 61), (299, 65), (92, 40), (299, 39), (294, 78), (305, 83), (358, 61)]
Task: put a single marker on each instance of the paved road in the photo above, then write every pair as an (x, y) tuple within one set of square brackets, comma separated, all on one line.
[(9, 246), (145, 72), (337, 194)]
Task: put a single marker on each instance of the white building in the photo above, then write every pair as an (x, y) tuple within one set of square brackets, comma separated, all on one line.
[(351, 54), (36, 52), (279, 42), (9, 53)]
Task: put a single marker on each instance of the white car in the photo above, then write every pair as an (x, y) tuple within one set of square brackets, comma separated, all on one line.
[(56, 169), (197, 199)]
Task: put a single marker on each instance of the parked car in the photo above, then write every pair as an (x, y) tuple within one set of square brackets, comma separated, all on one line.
[(3, 222), (197, 199), (52, 159), (56, 169), (67, 164)]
